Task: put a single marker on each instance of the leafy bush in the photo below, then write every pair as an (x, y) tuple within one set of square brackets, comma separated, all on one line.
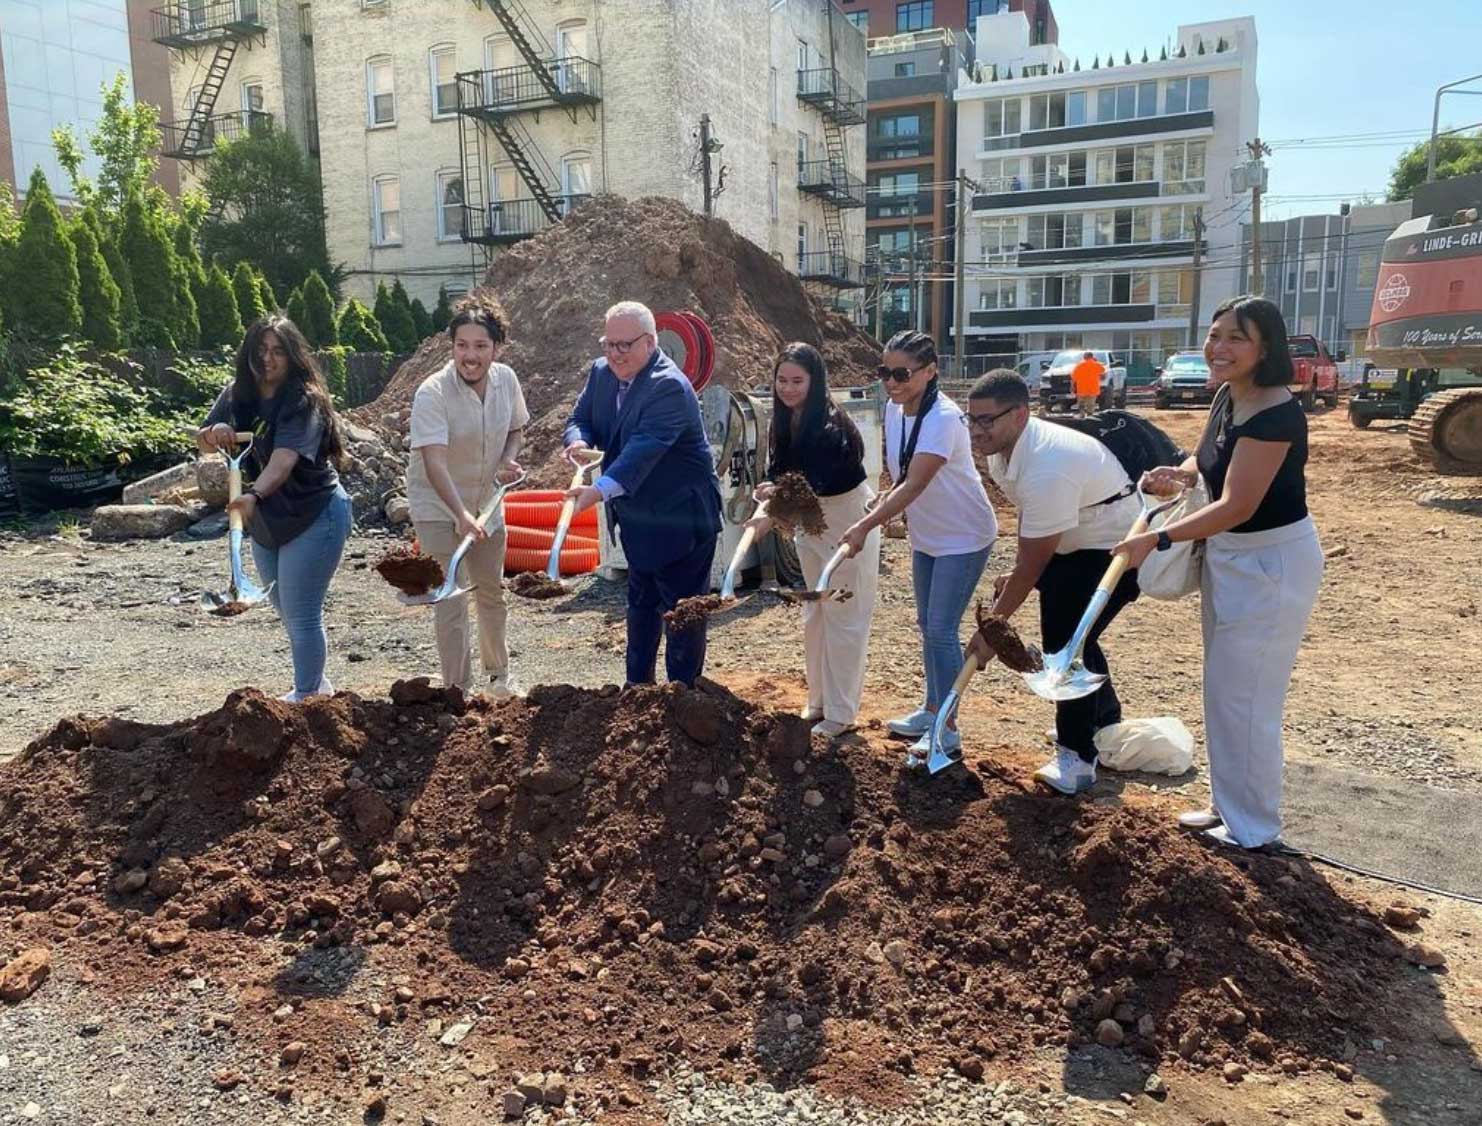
[(200, 380), (77, 410), (336, 370)]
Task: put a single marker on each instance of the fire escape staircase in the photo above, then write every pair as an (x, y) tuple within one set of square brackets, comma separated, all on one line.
[(223, 25)]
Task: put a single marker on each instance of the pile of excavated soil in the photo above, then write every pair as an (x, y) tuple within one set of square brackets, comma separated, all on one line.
[(557, 286), (795, 505), (621, 879), (690, 612), (536, 584), (411, 572)]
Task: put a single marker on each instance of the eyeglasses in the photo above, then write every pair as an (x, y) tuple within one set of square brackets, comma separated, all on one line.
[(986, 421), (900, 375), (620, 347)]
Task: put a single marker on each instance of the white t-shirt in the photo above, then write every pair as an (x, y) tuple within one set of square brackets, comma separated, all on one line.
[(447, 412), (952, 515), (1057, 478)]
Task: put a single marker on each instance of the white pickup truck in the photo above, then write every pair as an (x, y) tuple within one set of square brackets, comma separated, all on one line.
[(1056, 392)]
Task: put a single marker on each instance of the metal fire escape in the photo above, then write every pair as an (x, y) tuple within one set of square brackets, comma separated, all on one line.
[(841, 107), (190, 26), (490, 103)]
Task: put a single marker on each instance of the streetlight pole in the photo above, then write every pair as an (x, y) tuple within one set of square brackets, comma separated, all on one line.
[(1430, 160)]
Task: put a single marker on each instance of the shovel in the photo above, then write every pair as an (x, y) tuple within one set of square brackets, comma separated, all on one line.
[(584, 459), (450, 586), (1065, 676), (820, 590), (243, 593), (940, 758)]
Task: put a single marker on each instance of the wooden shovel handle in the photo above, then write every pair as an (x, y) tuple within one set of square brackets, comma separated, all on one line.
[(243, 435), (233, 491), (969, 668), (1118, 566)]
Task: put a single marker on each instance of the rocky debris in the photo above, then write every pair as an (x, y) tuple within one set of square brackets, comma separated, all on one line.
[(1402, 916), (292, 1053), (24, 974), (169, 877), (419, 690), (699, 717), (375, 466), (212, 481), (152, 488), (398, 511), (139, 521), (1426, 956)]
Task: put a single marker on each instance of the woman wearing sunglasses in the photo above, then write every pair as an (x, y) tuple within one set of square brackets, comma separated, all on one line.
[(812, 436), (952, 526)]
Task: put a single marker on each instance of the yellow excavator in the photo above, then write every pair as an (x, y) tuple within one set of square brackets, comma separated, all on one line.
[(1426, 325)]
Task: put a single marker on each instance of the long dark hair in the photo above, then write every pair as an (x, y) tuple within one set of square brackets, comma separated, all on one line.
[(1275, 368), (303, 380), (923, 349), (819, 410)]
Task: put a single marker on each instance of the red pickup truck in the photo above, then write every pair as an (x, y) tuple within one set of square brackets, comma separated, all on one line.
[(1316, 371)]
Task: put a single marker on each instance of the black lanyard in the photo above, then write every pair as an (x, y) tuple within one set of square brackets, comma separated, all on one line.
[(908, 448)]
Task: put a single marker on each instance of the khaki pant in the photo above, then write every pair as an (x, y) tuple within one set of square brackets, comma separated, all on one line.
[(483, 567), (836, 635), (1086, 403)]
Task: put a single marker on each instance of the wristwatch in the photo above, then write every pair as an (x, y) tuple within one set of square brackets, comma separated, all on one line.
[(1164, 543)]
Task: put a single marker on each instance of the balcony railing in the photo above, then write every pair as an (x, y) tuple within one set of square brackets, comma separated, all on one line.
[(182, 142), (830, 268), (822, 179), (510, 220), (902, 146), (827, 92), (192, 23), (900, 205), (515, 89)]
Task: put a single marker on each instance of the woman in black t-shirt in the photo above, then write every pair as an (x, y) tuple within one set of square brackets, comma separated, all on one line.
[(812, 436), (1262, 564), (297, 512)]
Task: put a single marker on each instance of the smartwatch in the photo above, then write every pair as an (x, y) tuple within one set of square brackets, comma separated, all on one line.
[(1164, 543)]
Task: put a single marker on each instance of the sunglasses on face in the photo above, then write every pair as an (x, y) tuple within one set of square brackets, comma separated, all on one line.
[(899, 375)]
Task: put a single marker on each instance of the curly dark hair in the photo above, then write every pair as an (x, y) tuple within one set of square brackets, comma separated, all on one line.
[(481, 308)]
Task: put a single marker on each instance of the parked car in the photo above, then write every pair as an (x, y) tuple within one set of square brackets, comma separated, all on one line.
[(1183, 381), (1056, 392), (1032, 368), (1315, 371)]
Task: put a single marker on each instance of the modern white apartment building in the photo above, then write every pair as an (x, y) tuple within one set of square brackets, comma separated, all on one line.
[(449, 129), (1093, 176)]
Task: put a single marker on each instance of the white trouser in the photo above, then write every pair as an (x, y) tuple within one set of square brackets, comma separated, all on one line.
[(836, 635), (1258, 589)]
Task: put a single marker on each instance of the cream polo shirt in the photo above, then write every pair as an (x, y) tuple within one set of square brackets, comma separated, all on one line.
[(1057, 478), (447, 412)]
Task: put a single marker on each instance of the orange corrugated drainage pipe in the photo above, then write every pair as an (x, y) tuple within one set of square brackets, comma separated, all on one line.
[(546, 514), (574, 561), (540, 539), (534, 496)]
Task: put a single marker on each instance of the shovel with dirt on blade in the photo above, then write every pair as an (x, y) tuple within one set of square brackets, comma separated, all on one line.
[(689, 612), (451, 587), (241, 594)]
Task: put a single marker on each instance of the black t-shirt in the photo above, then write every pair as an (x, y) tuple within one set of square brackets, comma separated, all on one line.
[(288, 420), (1285, 501), (828, 461)]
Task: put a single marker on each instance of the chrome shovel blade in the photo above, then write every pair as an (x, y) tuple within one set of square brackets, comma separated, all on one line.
[(1061, 679), (449, 589)]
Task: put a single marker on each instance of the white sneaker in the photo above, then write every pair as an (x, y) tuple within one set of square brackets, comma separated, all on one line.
[(502, 686), (912, 726), (1067, 773), (809, 712), (829, 729), (1199, 819), (325, 689)]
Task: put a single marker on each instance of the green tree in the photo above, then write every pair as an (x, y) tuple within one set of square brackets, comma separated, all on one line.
[(118, 269), (249, 296), (97, 291), (10, 235), (442, 313), (146, 247), (45, 301), (422, 319), (187, 324), (268, 208), (319, 320), (266, 294), (359, 331), (295, 309), (221, 325), (395, 320), (126, 141), (1456, 155)]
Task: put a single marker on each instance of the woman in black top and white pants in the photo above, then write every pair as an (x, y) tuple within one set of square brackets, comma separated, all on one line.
[(812, 436), (1262, 564)]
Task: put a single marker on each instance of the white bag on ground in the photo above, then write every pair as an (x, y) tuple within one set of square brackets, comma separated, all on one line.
[(1161, 745)]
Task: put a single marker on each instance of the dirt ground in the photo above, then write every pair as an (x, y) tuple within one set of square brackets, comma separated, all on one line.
[(1385, 686)]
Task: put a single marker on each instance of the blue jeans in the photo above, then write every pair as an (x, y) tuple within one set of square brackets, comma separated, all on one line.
[(300, 571), (944, 586)]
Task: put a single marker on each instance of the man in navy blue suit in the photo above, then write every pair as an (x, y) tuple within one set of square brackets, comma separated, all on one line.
[(659, 478)]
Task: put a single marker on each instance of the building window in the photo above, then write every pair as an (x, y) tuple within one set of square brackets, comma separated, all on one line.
[(1054, 290), (449, 206), (914, 16), (1000, 239), (386, 195), (896, 192), (999, 293), (1055, 231), (1291, 280), (442, 65), (252, 96), (576, 177), (976, 8), (802, 153), (1176, 224), (1310, 274), (1186, 95), (905, 70), (1127, 164), (1001, 123), (1046, 111), (1059, 170), (1331, 272), (1123, 226), (380, 92), (1183, 168), (772, 191), (1001, 174), (802, 245), (774, 95), (1075, 107), (860, 20)]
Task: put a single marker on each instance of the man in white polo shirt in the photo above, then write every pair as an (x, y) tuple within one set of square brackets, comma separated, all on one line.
[(1075, 502)]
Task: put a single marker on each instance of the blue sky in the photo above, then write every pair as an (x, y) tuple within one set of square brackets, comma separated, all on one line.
[(1326, 68)]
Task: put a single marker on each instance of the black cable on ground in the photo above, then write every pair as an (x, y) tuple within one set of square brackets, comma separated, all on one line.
[(1281, 849)]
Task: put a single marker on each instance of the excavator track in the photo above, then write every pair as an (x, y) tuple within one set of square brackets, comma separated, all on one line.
[(1446, 431)]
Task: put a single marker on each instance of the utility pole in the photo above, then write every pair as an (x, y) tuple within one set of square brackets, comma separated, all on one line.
[(1198, 275), (705, 163), (880, 288), (915, 304), (959, 272), (1257, 170)]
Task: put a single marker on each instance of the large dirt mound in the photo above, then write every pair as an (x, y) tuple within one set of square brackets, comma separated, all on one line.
[(624, 878), (557, 285)]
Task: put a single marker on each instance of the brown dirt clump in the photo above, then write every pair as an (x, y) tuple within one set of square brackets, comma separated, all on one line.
[(653, 875), (795, 505), (536, 584), (411, 572), (652, 250), (690, 612), (1004, 642)]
